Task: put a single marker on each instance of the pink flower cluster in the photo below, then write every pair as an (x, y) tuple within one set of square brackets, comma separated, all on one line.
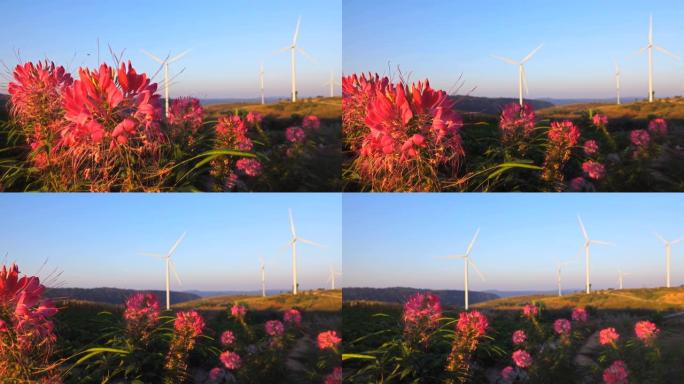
[(600, 120), (187, 113), (530, 310), (189, 322), (579, 314), (522, 359), (640, 138), (608, 336), (254, 117), (658, 127), (563, 136), (517, 120), (141, 313), (274, 328), (357, 92), (292, 317), (227, 338), (519, 337), (216, 375), (508, 373), (562, 326), (230, 360), (328, 340), (335, 377), (238, 311), (248, 166), (472, 323), (591, 147), (564, 133), (594, 169), (295, 135), (311, 123), (616, 373), (422, 312), (646, 331)]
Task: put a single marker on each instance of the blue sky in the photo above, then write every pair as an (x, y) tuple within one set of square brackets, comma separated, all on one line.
[(229, 39), (397, 239), (441, 39), (95, 239)]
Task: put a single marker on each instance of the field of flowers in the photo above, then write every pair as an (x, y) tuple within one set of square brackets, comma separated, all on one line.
[(422, 342), (402, 137), (106, 130), (47, 342)]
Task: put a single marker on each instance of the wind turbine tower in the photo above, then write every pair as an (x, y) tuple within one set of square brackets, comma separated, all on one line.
[(166, 63), (522, 77)]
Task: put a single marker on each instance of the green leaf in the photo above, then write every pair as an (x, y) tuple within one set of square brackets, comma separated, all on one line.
[(348, 356)]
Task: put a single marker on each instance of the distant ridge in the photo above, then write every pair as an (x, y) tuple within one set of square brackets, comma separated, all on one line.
[(400, 294), (491, 105), (113, 295)]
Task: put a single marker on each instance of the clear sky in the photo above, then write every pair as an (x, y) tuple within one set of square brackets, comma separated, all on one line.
[(397, 239), (95, 239), (229, 39), (441, 39)]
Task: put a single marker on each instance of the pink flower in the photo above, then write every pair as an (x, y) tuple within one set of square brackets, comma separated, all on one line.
[(639, 137), (594, 170), (646, 331), (292, 317), (311, 122), (564, 132), (231, 360), (578, 184), (519, 337), (295, 135), (328, 339), (600, 120), (231, 132), (422, 311), (579, 314), (238, 311), (616, 373), (472, 323), (608, 336), (562, 326), (3, 326), (142, 309), (250, 167), (590, 147), (508, 373), (522, 359), (658, 127), (335, 377), (514, 116), (188, 112), (254, 117), (274, 328), (530, 310), (216, 374), (227, 338), (190, 322)]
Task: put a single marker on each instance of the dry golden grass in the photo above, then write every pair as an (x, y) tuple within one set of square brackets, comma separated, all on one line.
[(654, 299), (323, 107), (319, 301), (670, 108)]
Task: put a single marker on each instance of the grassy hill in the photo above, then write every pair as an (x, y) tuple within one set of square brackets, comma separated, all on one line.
[(327, 108), (649, 299), (670, 109), (319, 301), (398, 295)]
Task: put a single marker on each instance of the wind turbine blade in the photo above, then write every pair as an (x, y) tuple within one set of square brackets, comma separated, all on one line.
[(307, 55), (285, 246), (472, 243), (476, 269), (601, 242), (175, 273), (153, 57), (155, 255), (296, 33), (505, 59), (177, 57), (292, 226), (677, 241), (529, 56), (660, 237), (450, 257), (584, 231), (579, 252), (310, 242), (281, 50), (665, 51), (650, 28), (173, 249)]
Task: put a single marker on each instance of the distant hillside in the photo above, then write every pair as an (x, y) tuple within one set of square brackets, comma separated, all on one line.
[(490, 105), (319, 300), (269, 292), (112, 295), (670, 108), (400, 294), (323, 107), (588, 100), (657, 299), (551, 292)]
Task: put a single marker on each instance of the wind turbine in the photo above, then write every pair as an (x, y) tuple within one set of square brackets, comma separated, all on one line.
[(166, 63), (621, 276), (650, 47), (261, 82), (587, 244), (262, 267), (467, 261), (617, 82), (293, 242), (522, 77), (332, 83), (668, 251), (331, 278), (169, 265), (293, 48), (559, 268)]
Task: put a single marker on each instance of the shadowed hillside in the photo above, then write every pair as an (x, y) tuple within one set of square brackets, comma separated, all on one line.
[(491, 105), (111, 295), (400, 294)]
